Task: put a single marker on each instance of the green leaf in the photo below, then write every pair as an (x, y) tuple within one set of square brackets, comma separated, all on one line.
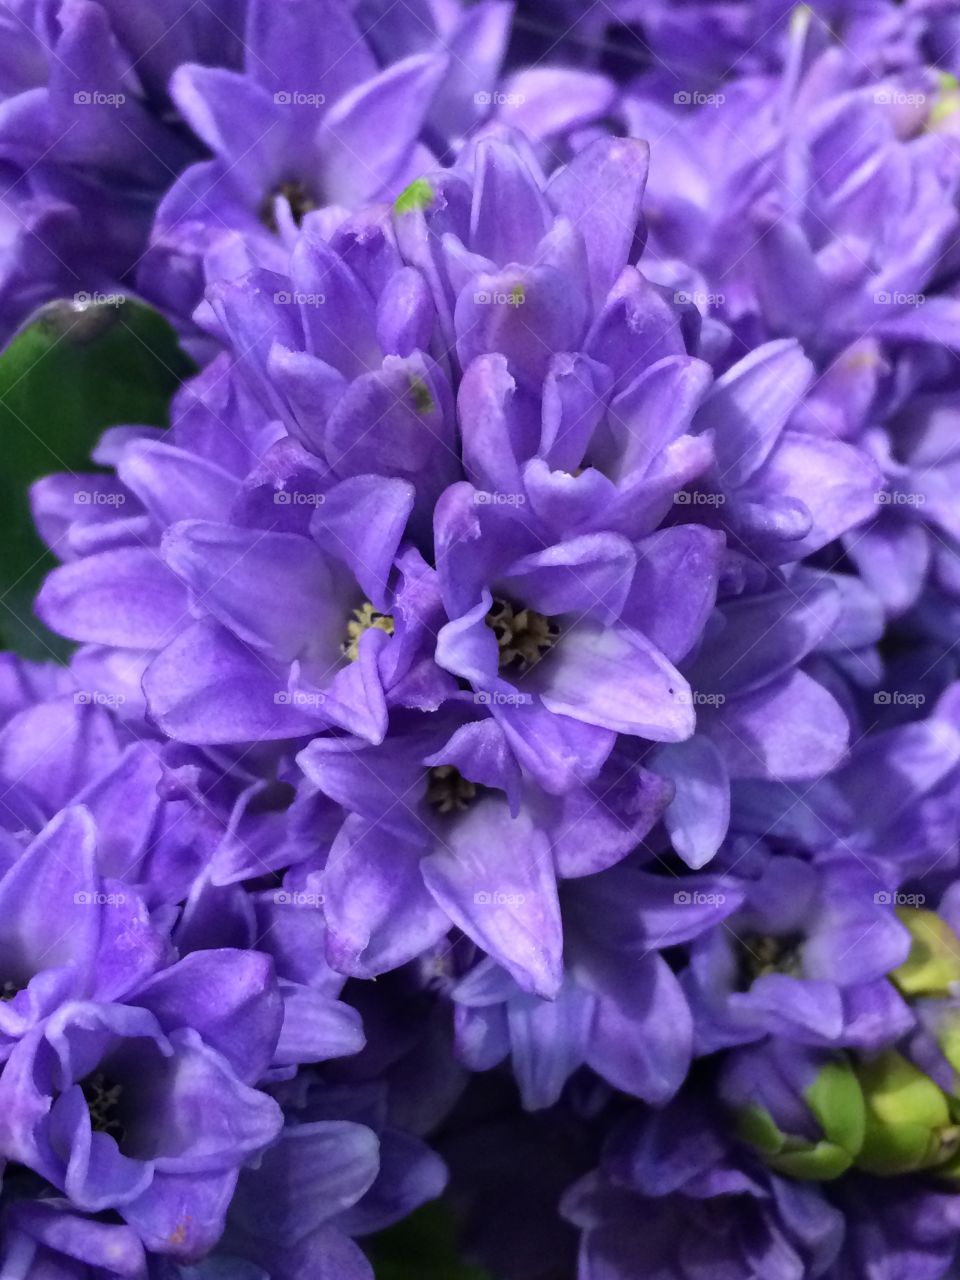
[(70, 373), (422, 1247)]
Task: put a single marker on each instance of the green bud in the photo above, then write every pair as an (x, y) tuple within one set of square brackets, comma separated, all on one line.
[(419, 195), (933, 965), (822, 1162), (836, 1102), (836, 1099), (947, 102), (908, 1121), (948, 1038)]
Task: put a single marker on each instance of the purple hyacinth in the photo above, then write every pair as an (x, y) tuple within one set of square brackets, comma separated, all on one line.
[(153, 1012), (514, 714)]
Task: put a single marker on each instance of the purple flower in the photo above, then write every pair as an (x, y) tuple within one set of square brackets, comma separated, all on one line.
[(620, 1011), (119, 1114), (552, 638), (312, 122), (672, 1193), (86, 140), (139, 1040), (806, 957), (850, 813), (776, 266), (555, 514)]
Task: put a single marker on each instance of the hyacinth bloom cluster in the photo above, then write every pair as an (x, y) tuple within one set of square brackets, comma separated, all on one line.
[(509, 752)]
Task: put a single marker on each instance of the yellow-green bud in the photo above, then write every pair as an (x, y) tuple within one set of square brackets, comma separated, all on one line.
[(933, 965), (909, 1125)]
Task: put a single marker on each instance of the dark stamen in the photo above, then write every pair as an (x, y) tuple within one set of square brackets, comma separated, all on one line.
[(103, 1099), (759, 955), (297, 196), (448, 791), (523, 635)]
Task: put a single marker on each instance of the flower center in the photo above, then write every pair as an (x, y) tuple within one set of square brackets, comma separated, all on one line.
[(297, 196), (448, 791), (9, 990), (760, 955), (523, 635), (103, 1099), (364, 619)]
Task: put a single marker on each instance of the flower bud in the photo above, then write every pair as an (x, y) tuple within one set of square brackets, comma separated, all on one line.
[(802, 1109), (909, 1125), (933, 966)]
